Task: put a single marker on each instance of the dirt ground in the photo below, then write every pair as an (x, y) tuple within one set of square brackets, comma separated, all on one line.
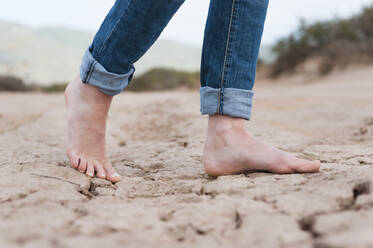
[(165, 199)]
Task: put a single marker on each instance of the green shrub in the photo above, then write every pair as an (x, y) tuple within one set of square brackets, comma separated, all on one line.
[(164, 79), (10, 83), (153, 80), (335, 41), (54, 88)]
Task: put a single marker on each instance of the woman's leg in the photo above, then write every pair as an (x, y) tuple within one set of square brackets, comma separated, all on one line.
[(127, 33), (232, 38), (129, 30)]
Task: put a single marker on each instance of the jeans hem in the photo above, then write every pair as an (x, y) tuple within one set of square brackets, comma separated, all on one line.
[(94, 74), (235, 102)]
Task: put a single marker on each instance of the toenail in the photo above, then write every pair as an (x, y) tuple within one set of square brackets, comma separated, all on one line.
[(90, 174), (115, 175), (81, 171)]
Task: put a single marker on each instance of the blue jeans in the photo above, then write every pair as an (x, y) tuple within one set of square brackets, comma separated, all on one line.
[(230, 51)]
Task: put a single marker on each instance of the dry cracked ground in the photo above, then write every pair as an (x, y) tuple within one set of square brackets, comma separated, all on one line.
[(166, 199)]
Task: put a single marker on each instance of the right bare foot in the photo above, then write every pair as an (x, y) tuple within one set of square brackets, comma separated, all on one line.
[(230, 149), (88, 108)]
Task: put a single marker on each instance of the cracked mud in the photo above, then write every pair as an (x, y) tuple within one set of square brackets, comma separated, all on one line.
[(166, 200)]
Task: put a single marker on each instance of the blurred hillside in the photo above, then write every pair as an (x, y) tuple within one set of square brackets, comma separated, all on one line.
[(46, 55), (53, 54), (318, 48)]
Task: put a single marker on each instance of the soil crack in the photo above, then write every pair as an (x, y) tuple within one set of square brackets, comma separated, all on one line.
[(361, 189), (18, 197), (307, 224), (199, 231), (90, 191), (55, 178), (238, 220)]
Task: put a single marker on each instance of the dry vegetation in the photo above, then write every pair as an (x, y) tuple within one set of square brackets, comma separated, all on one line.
[(10, 83), (333, 43), (153, 80), (165, 79)]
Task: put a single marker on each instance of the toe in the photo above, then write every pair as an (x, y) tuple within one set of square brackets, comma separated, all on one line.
[(282, 169), (99, 168), (111, 174), (74, 159), (114, 177), (83, 165), (314, 166), (305, 166), (90, 169)]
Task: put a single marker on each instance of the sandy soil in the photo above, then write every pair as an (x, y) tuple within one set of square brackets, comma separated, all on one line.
[(165, 198)]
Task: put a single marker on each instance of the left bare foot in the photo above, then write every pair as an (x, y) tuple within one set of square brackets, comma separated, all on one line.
[(88, 108), (230, 149)]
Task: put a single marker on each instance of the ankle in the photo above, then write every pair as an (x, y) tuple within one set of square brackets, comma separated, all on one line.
[(221, 124)]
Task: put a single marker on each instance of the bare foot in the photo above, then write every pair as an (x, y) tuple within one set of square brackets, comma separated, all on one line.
[(230, 149), (87, 113)]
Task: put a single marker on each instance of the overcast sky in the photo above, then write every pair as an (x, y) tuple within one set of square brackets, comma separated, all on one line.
[(187, 25)]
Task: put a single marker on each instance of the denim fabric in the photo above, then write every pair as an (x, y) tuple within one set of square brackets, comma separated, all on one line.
[(96, 75), (230, 50), (237, 102)]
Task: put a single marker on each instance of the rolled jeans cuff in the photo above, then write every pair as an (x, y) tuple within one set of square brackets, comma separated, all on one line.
[(93, 73), (228, 101)]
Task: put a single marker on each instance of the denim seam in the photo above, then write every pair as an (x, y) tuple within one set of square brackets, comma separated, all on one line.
[(229, 35), (91, 70), (219, 99), (104, 44)]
